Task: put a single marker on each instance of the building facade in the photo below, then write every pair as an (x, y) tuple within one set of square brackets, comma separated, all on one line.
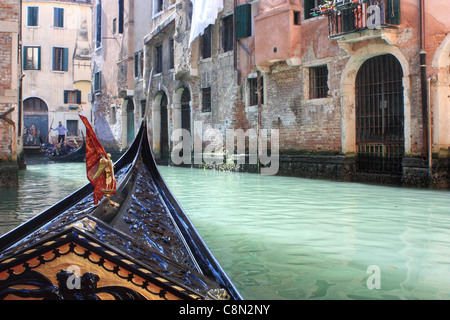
[(357, 90), (57, 68), (11, 154), (114, 110)]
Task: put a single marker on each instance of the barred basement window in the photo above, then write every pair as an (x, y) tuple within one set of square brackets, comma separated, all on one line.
[(318, 82), (206, 100)]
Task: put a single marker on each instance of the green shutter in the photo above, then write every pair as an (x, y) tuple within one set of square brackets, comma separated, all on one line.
[(308, 5), (39, 58), (243, 21), (78, 97), (393, 12), (25, 57), (66, 96), (65, 59), (53, 58), (32, 16)]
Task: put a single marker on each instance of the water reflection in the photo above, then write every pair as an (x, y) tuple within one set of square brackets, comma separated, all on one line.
[(289, 238)]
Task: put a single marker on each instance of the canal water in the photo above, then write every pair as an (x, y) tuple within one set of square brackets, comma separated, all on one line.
[(291, 238)]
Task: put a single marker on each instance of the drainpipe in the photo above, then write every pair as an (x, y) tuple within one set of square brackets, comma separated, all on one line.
[(430, 155), (235, 45), (423, 84)]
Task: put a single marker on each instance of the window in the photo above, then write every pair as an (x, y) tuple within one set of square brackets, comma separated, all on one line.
[(72, 126), (318, 82), (253, 91), (113, 114), (32, 58), (297, 18), (60, 59), (97, 81), (32, 18), (98, 24), (121, 8), (58, 17), (205, 43), (138, 64), (114, 25), (206, 100), (227, 33), (171, 54), (158, 6), (72, 96), (308, 5), (158, 59)]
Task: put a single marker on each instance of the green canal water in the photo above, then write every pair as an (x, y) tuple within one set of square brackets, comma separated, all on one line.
[(290, 238)]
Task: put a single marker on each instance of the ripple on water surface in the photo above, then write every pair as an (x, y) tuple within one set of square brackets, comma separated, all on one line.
[(290, 238)]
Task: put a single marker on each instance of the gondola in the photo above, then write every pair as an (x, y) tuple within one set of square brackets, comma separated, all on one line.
[(142, 248), (75, 155)]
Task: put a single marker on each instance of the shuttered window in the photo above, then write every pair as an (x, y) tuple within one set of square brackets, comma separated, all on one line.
[(98, 27), (243, 21), (97, 81), (32, 58), (393, 12), (58, 17), (72, 96), (121, 9), (32, 18), (60, 60)]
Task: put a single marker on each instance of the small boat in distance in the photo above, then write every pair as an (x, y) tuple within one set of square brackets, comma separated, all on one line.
[(142, 247), (51, 153)]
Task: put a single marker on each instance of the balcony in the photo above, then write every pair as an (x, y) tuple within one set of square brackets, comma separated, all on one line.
[(362, 17)]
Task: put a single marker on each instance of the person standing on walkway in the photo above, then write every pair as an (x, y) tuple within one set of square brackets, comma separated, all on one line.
[(61, 132)]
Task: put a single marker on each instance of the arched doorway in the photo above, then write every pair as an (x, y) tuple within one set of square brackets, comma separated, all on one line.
[(164, 129), (379, 101), (130, 121), (35, 119)]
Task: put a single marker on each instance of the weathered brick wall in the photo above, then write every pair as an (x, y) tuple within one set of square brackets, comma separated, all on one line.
[(303, 124), (9, 18)]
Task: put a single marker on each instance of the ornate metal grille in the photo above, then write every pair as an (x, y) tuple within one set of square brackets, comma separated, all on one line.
[(380, 115)]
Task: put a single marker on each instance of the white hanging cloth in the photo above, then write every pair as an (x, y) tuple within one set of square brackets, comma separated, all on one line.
[(204, 13)]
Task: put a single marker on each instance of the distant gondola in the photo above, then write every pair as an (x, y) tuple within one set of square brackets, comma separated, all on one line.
[(144, 247), (76, 155)]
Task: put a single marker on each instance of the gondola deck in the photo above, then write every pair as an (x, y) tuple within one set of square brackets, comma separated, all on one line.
[(145, 248)]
